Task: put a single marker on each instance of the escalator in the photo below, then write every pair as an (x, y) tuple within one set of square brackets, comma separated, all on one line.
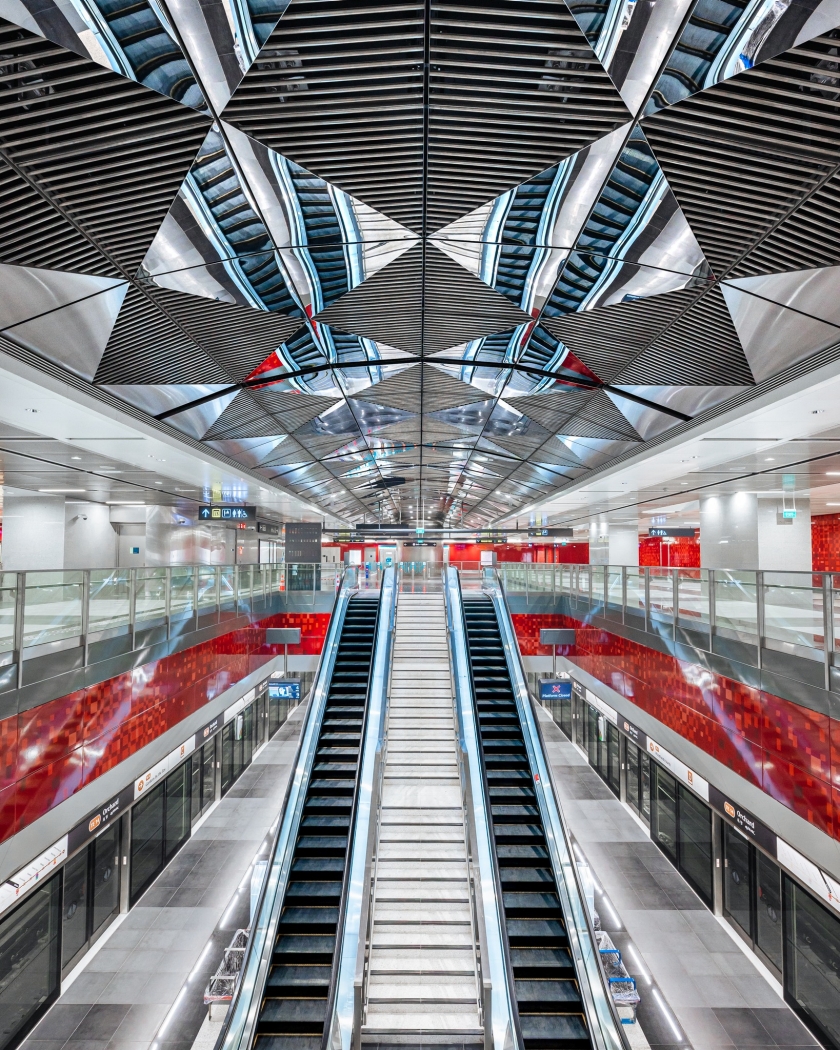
[(300, 972), (545, 985)]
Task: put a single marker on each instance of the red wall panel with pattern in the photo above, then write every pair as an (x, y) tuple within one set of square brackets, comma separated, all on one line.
[(51, 751), (790, 752)]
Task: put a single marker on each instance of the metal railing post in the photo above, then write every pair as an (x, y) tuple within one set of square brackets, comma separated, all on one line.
[(759, 614), (167, 598), (195, 594), (646, 579), (675, 598), (85, 615), (132, 607), (624, 594), (20, 610), (828, 625), (712, 609)]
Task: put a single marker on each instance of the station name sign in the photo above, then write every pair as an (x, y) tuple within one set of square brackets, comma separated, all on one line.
[(221, 513)]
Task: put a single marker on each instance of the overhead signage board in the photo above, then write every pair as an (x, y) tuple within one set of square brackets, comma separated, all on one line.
[(34, 872), (555, 689), (95, 822), (633, 732), (214, 513), (680, 770), (268, 528), (662, 533), (556, 533), (303, 542), (159, 771), (491, 536), (743, 820), (284, 690)]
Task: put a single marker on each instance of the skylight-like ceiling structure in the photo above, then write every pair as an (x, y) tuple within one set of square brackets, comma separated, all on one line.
[(430, 261)]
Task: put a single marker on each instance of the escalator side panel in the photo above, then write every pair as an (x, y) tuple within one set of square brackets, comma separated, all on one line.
[(549, 1004), (294, 1005)]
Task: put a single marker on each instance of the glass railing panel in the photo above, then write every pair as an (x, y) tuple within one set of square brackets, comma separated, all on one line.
[(597, 572), (693, 598), (736, 602), (661, 595), (52, 607), (208, 587), (636, 590), (8, 601), (793, 608), (614, 586), (183, 590), (227, 586), (110, 600), (583, 581), (150, 594), (565, 578)]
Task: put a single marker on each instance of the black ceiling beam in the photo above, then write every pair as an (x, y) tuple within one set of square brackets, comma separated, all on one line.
[(581, 382)]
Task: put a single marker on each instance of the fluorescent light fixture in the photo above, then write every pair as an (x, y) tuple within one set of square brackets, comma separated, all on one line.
[(62, 490), (832, 473), (122, 502), (666, 1013)]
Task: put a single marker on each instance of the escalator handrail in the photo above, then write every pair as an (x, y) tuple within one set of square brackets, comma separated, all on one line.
[(603, 1022), (240, 1023), (340, 1006), (497, 966)]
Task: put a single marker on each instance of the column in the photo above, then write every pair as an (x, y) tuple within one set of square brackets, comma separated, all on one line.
[(90, 540), (613, 543), (33, 530), (743, 531)]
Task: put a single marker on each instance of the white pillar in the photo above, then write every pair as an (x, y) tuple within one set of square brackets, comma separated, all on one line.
[(624, 543), (90, 540), (599, 543), (33, 530), (741, 531)]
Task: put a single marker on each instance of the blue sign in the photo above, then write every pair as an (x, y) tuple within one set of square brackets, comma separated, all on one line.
[(284, 690), (551, 689)]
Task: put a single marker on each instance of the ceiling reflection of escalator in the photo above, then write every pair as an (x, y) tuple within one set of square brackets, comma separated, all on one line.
[(620, 203), (702, 40)]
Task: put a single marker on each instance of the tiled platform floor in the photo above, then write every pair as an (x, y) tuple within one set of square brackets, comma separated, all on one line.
[(167, 946), (713, 990)]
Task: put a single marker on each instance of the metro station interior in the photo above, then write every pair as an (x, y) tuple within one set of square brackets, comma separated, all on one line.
[(419, 525)]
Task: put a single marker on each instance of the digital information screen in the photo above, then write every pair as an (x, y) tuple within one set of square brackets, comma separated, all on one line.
[(553, 689), (279, 690)]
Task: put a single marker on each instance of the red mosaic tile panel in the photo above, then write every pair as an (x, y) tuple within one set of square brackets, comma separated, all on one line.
[(790, 752), (49, 732), (48, 753), (825, 542)]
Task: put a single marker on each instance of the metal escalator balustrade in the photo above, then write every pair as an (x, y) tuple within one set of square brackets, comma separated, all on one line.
[(294, 1006), (560, 997), (289, 974), (545, 984)]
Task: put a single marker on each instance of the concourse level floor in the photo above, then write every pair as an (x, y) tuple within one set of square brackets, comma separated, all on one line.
[(145, 984), (700, 989)]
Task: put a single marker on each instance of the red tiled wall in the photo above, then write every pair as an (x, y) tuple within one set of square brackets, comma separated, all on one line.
[(825, 542), (683, 553), (560, 553), (48, 753), (790, 752)]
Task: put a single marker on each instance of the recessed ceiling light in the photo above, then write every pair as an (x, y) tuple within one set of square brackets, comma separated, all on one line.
[(769, 459), (61, 490), (832, 473), (75, 457)]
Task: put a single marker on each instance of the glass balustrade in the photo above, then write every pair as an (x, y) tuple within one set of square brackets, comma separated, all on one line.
[(8, 603), (794, 609), (53, 607), (110, 600), (736, 603)]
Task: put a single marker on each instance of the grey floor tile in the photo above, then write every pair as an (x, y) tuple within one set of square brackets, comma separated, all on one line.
[(757, 992), (142, 1022), (43, 1044), (108, 960), (123, 988), (87, 988), (744, 1027), (159, 988), (86, 1044), (60, 1022), (702, 1026), (100, 1022), (784, 1027)]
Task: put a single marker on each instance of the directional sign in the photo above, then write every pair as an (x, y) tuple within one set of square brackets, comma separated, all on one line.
[(213, 513)]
